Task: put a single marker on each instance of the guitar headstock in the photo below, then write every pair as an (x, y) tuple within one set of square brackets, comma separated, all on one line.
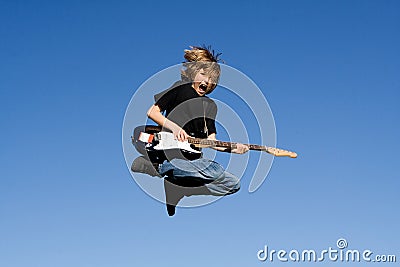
[(280, 152)]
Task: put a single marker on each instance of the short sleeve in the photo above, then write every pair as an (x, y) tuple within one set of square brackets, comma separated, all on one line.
[(165, 99)]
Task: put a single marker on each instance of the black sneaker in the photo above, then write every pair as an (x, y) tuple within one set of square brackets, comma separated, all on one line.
[(143, 165)]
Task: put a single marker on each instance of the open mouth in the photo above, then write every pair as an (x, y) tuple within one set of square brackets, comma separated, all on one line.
[(203, 87)]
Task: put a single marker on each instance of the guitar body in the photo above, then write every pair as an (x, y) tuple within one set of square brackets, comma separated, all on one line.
[(157, 150)]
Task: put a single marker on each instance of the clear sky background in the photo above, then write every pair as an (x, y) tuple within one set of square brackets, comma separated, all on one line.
[(68, 69)]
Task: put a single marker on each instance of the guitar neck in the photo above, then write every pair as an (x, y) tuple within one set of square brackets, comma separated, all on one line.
[(215, 143)]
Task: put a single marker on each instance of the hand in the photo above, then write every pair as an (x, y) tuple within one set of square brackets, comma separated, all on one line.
[(240, 149), (180, 134)]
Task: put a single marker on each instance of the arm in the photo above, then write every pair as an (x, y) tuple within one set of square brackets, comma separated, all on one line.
[(155, 114), (240, 148)]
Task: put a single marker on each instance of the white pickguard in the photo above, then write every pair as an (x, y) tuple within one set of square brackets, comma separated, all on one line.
[(167, 141)]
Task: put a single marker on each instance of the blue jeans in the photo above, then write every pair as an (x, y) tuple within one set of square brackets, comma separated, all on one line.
[(201, 172)]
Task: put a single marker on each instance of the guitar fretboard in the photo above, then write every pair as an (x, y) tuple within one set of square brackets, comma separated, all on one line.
[(216, 143)]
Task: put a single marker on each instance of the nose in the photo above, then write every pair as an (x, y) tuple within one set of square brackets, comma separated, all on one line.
[(205, 81)]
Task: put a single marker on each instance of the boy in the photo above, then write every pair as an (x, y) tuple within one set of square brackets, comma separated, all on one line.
[(190, 113)]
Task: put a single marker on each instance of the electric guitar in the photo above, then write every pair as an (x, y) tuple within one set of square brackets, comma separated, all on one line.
[(165, 141)]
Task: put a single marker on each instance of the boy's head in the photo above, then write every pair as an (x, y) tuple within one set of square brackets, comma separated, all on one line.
[(201, 61)]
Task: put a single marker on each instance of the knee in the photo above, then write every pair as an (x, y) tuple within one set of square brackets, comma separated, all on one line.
[(235, 188)]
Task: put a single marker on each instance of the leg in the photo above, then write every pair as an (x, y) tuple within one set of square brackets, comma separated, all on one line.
[(202, 173), (226, 184), (204, 169), (173, 194), (143, 165)]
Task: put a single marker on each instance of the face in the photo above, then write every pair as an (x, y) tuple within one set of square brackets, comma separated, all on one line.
[(202, 83)]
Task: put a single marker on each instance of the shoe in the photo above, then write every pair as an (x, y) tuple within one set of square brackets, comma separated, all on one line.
[(143, 165), (171, 210)]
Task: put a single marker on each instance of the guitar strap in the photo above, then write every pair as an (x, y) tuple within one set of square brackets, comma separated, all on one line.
[(204, 119)]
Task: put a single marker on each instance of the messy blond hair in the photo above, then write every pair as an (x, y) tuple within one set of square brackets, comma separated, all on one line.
[(201, 58)]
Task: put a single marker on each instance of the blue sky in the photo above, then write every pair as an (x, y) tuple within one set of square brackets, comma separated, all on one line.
[(330, 73)]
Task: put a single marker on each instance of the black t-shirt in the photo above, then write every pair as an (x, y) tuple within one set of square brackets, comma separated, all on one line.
[(195, 114)]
